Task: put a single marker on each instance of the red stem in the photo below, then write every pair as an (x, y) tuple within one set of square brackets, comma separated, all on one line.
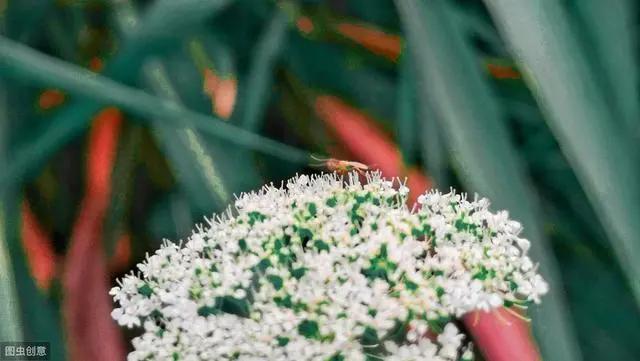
[(92, 334), (502, 336), (38, 249), (363, 138)]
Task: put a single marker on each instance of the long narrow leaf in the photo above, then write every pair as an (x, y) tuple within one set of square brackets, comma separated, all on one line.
[(197, 164), (38, 316), (451, 80), (434, 151), (121, 184), (406, 109), (609, 30), (9, 320), (74, 118), (600, 150), (16, 59), (255, 94), (25, 313), (166, 17), (193, 164), (432, 145)]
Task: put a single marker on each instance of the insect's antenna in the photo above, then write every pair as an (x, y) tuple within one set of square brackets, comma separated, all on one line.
[(319, 159)]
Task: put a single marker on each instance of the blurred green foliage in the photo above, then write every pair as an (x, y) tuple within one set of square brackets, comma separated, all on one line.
[(534, 104)]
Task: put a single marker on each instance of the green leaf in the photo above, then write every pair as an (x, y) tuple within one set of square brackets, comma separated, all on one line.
[(192, 163), (235, 165), (25, 313), (10, 323), (340, 73), (62, 127), (406, 110), (74, 118), (255, 92), (608, 28), (430, 138), (477, 25), (23, 18), (169, 218), (121, 187), (606, 332), (207, 51), (434, 151), (10, 328), (37, 315), (451, 80), (18, 60), (601, 152), (169, 18)]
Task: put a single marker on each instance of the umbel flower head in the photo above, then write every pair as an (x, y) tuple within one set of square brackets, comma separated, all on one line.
[(328, 268)]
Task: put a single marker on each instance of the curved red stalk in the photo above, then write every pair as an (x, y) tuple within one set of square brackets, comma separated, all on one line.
[(122, 254), (502, 336), (362, 137), (92, 334), (375, 40), (359, 134), (38, 249)]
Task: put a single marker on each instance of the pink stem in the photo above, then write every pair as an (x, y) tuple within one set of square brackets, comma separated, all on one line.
[(502, 336)]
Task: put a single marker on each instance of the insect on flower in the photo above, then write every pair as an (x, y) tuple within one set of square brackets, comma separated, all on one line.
[(335, 271), (340, 166)]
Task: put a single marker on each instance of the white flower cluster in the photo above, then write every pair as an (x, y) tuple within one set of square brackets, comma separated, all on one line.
[(328, 269)]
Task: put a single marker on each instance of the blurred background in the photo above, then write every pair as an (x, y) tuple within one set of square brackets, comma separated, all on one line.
[(123, 123)]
